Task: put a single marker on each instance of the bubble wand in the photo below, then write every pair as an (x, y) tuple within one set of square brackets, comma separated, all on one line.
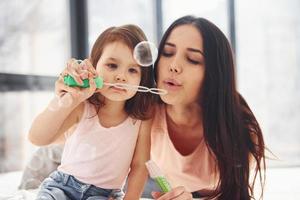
[(70, 81), (158, 176)]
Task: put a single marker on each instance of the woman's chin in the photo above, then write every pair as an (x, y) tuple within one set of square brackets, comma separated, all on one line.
[(170, 99)]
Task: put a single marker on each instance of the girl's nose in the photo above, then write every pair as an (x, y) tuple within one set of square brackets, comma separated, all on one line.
[(120, 78)]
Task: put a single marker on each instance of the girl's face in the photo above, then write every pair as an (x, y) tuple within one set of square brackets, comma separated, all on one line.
[(181, 66), (117, 65)]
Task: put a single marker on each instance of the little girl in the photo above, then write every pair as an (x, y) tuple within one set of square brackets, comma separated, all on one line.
[(105, 139)]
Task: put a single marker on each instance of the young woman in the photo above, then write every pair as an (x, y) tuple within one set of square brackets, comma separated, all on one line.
[(204, 135)]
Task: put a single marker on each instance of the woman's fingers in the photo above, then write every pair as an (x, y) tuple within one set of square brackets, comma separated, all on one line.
[(178, 193), (184, 196), (156, 195)]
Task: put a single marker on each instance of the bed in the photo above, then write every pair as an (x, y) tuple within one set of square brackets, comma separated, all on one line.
[(9, 183)]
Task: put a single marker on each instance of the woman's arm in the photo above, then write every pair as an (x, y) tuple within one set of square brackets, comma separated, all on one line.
[(138, 173)]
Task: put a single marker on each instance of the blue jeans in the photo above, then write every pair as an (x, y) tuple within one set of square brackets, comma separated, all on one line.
[(150, 186), (61, 186)]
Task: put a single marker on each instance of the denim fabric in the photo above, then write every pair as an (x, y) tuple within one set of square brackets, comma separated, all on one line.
[(150, 187), (61, 186)]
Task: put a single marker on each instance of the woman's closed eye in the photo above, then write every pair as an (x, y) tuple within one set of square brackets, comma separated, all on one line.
[(167, 53), (194, 62)]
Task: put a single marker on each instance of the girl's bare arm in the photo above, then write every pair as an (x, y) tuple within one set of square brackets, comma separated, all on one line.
[(50, 125), (138, 173)]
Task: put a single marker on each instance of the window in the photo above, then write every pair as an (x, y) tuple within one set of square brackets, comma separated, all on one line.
[(35, 37), (215, 11), (104, 14), (268, 51)]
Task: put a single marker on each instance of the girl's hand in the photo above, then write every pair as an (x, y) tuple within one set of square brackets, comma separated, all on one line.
[(178, 193), (79, 71), (78, 94)]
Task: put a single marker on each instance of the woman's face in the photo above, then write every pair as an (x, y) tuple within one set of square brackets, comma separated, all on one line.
[(181, 66)]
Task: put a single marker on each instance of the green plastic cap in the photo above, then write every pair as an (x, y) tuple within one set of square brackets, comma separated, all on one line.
[(70, 81)]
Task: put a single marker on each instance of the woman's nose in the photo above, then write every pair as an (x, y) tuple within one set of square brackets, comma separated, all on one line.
[(175, 67)]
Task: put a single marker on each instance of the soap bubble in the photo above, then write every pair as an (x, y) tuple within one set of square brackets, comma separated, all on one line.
[(145, 53), (66, 100), (58, 102), (54, 105)]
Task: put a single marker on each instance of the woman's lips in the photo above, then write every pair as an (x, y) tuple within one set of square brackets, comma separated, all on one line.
[(172, 84)]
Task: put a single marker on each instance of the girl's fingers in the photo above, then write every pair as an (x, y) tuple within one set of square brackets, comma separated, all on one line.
[(73, 69), (90, 67), (61, 88), (92, 83)]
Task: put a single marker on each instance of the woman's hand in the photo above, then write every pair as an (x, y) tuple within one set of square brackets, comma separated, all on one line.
[(178, 193)]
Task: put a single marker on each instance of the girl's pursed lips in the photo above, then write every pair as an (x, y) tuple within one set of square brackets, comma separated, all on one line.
[(118, 89)]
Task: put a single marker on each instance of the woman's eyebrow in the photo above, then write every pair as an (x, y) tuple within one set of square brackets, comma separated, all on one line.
[(189, 49), (195, 50), (170, 44)]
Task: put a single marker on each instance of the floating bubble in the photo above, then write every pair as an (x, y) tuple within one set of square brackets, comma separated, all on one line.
[(54, 104), (145, 53), (66, 100), (58, 102)]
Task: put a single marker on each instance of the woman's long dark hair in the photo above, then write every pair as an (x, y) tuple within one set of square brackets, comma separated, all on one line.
[(231, 130)]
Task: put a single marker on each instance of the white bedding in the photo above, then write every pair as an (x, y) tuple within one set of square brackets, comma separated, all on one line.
[(9, 187)]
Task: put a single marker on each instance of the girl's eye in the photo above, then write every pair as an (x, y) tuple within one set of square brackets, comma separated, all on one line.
[(112, 66), (133, 70)]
